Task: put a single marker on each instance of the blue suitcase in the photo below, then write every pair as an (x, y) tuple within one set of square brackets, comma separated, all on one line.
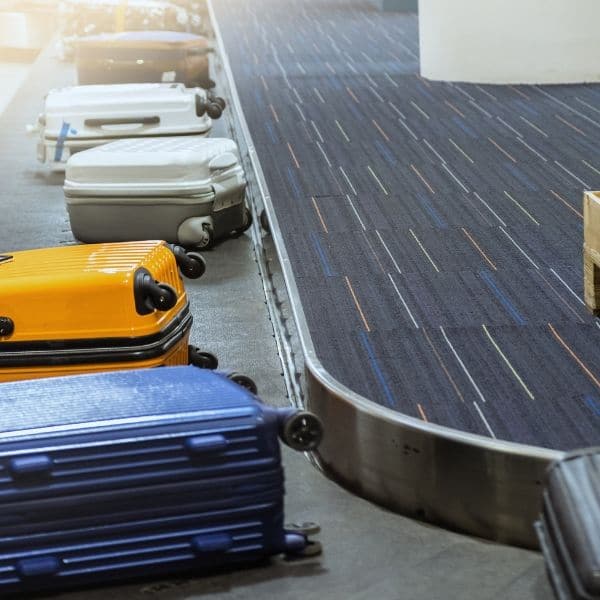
[(144, 472)]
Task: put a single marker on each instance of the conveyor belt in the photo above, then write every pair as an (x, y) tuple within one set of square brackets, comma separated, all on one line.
[(435, 229)]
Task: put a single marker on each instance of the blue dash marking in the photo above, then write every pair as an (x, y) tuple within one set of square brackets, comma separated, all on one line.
[(518, 174), (593, 404), (526, 107), (270, 132), (355, 111), (258, 97), (60, 142), (391, 401), (458, 121), (324, 260), (427, 94), (439, 221), (386, 153), (508, 305), (335, 84), (294, 182)]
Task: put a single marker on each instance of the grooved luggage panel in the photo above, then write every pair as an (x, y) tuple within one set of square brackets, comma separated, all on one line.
[(122, 399), (86, 291), (570, 523), (135, 473), (190, 535)]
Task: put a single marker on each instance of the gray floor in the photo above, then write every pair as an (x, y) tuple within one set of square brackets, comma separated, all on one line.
[(369, 552)]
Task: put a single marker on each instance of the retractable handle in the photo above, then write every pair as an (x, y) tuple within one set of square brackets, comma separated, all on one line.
[(191, 264), (122, 121), (151, 295)]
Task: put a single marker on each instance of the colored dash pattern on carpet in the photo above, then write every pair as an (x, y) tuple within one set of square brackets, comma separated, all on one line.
[(435, 229)]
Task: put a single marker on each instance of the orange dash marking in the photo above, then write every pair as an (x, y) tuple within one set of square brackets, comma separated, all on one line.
[(439, 359), (381, 131), (485, 256), (512, 87), (502, 150), (566, 203), (422, 178), (570, 125), (274, 113), (293, 156), (353, 96), (320, 215), (362, 315), (574, 356), (454, 108), (422, 413)]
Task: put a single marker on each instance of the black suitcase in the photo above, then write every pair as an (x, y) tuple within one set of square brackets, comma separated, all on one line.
[(569, 526)]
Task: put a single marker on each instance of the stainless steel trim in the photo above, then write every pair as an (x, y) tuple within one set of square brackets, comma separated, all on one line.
[(478, 485)]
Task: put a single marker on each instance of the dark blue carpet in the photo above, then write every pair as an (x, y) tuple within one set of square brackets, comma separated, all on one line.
[(435, 229)]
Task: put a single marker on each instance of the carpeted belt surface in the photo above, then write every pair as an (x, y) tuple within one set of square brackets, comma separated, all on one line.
[(435, 229)]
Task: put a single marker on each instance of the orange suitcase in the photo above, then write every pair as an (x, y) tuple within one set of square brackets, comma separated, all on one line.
[(96, 307)]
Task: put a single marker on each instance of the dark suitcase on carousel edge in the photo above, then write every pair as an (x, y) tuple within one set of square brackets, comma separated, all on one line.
[(141, 473), (144, 57), (569, 526)]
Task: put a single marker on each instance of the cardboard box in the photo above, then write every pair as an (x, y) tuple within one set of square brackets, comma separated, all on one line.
[(591, 251)]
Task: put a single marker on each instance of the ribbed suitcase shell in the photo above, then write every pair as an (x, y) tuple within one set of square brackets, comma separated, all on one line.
[(171, 188), (135, 473), (73, 310), (569, 528), (82, 117), (144, 56)]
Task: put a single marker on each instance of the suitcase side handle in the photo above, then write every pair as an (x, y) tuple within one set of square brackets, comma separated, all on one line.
[(122, 121)]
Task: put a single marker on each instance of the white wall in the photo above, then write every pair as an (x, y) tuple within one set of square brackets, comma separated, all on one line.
[(510, 41)]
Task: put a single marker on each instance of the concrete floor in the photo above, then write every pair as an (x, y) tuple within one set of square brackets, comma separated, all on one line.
[(368, 552)]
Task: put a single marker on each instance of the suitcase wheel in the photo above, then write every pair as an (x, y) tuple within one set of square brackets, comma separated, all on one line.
[(220, 101), (151, 295), (244, 381), (214, 110), (203, 360), (247, 222), (308, 528), (7, 326), (191, 264), (264, 221), (299, 546), (302, 431), (207, 238)]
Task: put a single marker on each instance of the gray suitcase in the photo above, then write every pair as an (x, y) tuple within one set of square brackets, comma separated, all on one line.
[(569, 527), (186, 190)]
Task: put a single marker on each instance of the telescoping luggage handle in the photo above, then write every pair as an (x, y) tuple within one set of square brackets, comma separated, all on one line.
[(122, 121)]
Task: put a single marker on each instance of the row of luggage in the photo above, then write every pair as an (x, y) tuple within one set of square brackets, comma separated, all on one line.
[(112, 468)]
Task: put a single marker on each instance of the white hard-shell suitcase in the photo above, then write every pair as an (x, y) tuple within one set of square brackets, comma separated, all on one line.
[(82, 117), (186, 190)]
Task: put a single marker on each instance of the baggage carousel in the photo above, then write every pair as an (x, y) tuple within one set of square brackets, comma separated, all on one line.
[(430, 236), (393, 552)]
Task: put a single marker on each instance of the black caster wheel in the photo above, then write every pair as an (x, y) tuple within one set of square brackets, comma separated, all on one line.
[(204, 360), (302, 431), (245, 381), (220, 101), (246, 223), (207, 239), (214, 110), (191, 264), (264, 221)]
